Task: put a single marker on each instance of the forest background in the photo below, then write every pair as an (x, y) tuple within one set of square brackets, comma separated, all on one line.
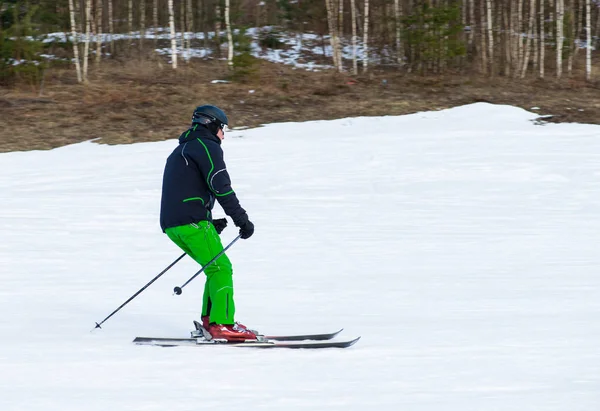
[(123, 71)]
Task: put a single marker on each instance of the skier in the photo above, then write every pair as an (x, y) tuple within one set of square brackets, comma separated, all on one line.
[(195, 176)]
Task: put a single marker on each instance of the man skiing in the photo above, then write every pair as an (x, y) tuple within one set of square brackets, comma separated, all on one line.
[(195, 176)]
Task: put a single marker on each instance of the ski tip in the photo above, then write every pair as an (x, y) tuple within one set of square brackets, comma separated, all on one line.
[(354, 341)]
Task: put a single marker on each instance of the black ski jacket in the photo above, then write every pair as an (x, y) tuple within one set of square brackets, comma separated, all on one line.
[(195, 175)]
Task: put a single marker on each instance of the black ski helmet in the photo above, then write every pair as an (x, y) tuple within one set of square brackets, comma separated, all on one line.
[(209, 114)]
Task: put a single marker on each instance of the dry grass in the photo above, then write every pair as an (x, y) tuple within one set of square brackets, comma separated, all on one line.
[(147, 101)]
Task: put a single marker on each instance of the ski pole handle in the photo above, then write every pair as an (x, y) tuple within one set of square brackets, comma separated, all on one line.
[(178, 290)]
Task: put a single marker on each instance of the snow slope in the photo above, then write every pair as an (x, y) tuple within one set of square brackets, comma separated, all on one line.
[(461, 244)]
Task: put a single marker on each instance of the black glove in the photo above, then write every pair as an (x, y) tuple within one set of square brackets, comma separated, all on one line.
[(220, 224), (246, 229)]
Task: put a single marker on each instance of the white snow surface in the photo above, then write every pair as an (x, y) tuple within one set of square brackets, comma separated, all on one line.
[(462, 245)]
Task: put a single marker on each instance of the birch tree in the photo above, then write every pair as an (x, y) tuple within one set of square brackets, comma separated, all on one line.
[(484, 61), (229, 35), (98, 31), (130, 18), (398, 20), (190, 27), (598, 26), (155, 20), (366, 38), (542, 40), (75, 44), (172, 36), (340, 34), (111, 27), (332, 23), (142, 23), (573, 26), (354, 38), (472, 24), (507, 39), (218, 28), (490, 32), (588, 46), (535, 39), (182, 24), (518, 36), (86, 49), (203, 22), (529, 36), (560, 15)]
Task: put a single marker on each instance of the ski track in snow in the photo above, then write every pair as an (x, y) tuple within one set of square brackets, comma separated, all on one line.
[(461, 244)]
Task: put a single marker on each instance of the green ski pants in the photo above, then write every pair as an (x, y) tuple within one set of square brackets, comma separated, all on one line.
[(201, 242)]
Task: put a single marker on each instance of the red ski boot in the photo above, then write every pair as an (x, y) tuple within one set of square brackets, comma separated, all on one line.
[(206, 323), (230, 332)]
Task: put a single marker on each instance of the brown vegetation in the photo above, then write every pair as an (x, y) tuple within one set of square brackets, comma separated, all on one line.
[(147, 101)]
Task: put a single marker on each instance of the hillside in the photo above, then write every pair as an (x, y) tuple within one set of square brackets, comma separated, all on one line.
[(147, 101)]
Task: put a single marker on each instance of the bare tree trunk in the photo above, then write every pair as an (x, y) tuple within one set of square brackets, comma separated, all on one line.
[(529, 35), (359, 24), (560, 15), (490, 32), (598, 25), (340, 34), (578, 26), (536, 42), (552, 20), (218, 27), (130, 19), (588, 46), (520, 49), (514, 58), (366, 38), (98, 31), (202, 6), (484, 61), (173, 40), (472, 24), (111, 27), (572, 26), (399, 49), (190, 27), (86, 49), (332, 23), (463, 16), (142, 23), (229, 34), (182, 24), (542, 40), (79, 16), (155, 20), (340, 22), (354, 38), (75, 44), (93, 28), (80, 27), (507, 39)]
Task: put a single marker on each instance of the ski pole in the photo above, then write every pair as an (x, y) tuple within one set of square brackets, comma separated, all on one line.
[(178, 290), (143, 288)]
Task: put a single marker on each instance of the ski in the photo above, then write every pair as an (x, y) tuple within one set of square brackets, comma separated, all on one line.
[(198, 342), (302, 337)]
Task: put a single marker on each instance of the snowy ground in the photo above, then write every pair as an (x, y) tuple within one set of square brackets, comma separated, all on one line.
[(461, 244)]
